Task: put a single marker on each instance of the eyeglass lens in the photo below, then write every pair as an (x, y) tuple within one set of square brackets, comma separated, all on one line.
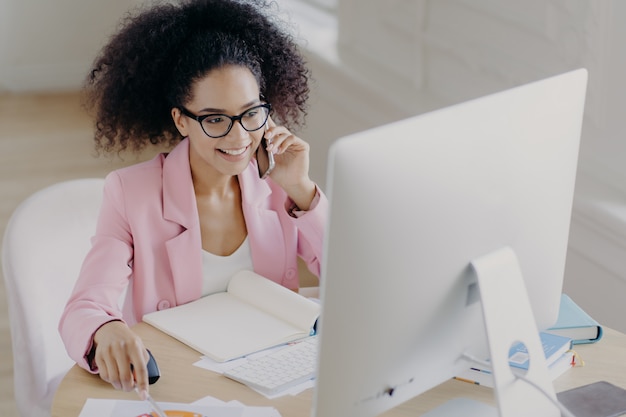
[(251, 120)]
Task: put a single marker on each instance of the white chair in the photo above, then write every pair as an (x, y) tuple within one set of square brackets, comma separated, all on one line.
[(45, 242)]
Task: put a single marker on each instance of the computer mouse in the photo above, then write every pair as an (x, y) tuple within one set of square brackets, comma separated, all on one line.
[(153, 369)]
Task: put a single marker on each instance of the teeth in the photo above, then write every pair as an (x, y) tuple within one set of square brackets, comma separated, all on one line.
[(233, 151)]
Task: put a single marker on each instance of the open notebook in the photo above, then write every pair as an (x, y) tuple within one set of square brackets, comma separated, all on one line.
[(253, 314)]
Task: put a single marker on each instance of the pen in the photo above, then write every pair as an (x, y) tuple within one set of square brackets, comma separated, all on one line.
[(466, 380), (155, 406)]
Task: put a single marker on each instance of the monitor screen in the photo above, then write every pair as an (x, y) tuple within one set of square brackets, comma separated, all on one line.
[(412, 204)]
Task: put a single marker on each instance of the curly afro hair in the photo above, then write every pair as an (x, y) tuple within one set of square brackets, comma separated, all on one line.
[(151, 64)]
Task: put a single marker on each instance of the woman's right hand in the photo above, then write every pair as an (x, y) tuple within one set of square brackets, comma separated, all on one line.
[(117, 347)]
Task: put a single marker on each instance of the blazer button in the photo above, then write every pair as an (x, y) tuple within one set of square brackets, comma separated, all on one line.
[(163, 305), (291, 274)]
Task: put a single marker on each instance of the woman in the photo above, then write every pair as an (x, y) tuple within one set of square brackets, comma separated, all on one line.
[(175, 228)]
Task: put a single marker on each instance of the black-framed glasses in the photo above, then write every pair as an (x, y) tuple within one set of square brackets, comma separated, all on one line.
[(218, 125)]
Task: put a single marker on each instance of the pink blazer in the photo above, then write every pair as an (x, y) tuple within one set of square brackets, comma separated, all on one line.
[(148, 236)]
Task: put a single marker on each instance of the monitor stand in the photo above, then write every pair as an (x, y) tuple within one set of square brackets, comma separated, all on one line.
[(508, 319)]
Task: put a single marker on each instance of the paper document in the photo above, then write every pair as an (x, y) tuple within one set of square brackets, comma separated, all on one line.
[(220, 367), (203, 408)]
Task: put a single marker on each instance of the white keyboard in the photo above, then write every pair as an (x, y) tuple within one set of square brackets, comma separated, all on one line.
[(278, 370)]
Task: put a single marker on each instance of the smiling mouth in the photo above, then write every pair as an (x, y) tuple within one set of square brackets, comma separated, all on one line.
[(234, 152)]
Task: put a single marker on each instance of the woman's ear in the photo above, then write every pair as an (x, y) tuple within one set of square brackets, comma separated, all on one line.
[(180, 121)]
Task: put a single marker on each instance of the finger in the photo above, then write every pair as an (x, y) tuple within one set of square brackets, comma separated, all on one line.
[(272, 143), (283, 143), (140, 372), (272, 130), (279, 140), (103, 370), (107, 370), (113, 375), (127, 380)]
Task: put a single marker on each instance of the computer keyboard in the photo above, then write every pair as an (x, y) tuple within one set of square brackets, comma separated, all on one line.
[(278, 370)]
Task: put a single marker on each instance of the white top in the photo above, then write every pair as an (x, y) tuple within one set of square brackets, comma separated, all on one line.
[(217, 270)]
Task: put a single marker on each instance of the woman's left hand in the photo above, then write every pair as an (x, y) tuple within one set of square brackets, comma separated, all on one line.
[(292, 164)]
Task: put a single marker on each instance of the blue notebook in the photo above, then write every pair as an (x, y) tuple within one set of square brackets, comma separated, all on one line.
[(576, 323), (557, 350), (554, 346)]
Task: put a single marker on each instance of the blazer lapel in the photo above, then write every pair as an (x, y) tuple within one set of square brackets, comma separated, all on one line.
[(267, 242), (179, 206), (179, 200)]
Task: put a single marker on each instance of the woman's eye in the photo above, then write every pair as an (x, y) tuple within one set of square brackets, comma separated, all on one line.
[(214, 119), (251, 113)]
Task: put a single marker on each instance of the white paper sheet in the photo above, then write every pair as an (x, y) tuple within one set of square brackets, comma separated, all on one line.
[(205, 407), (220, 367)]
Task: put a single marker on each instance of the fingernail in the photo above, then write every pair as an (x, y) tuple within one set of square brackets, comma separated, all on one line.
[(143, 394)]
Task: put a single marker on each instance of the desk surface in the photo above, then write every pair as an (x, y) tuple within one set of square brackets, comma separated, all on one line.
[(183, 382)]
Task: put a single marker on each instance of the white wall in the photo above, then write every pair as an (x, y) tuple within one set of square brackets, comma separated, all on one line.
[(48, 45), (402, 57)]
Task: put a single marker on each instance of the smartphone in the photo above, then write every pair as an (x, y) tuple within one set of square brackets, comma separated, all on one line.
[(264, 159)]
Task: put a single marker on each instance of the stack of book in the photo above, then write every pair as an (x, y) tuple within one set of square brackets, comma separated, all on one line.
[(573, 326), (575, 323), (559, 358)]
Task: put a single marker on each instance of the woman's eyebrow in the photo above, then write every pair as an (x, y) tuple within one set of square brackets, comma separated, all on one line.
[(223, 111)]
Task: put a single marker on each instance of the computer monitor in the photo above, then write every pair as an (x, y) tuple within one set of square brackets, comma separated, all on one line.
[(413, 205)]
